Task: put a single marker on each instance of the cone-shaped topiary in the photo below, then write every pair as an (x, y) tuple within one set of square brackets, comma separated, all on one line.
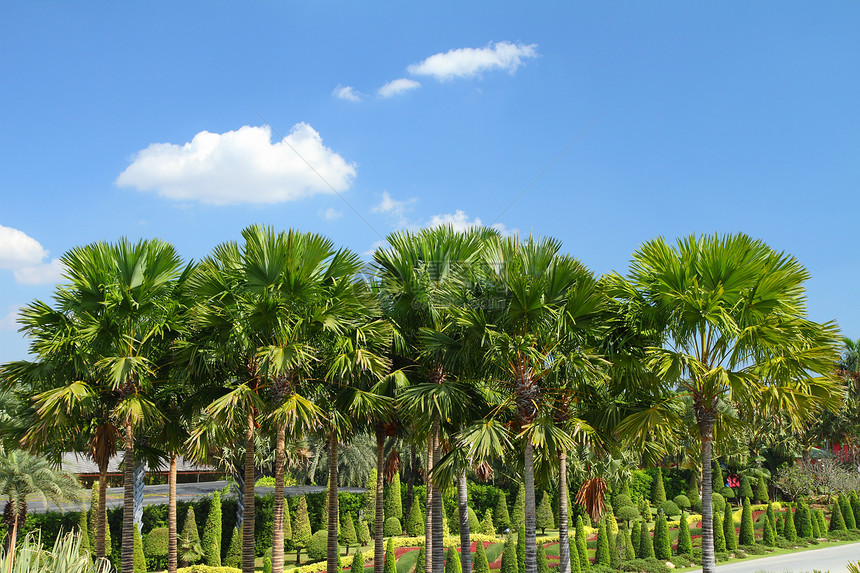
[(393, 501), (267, 563), (771, 516), (854, 500), (629, 552), (501, 517), (84, 532), (487, 526), (357, 562), (662, 543), (391, 526), (420, 562), (614, 556), (390, 565), (847, 512), (692, 491), (601, 556), (658, 490), (813, 521), (234, 552), (646, 546), (790, 529), (368, 504), (543, 516), (93, 522), (645, 509), (780, 524), (747, 535), (301, 528), (730, 534), (717, 477), (348, 535), (479, 562), (802, 520), (211, 539), (363, 533), (475, 525), (745, 489), (139, 557), (519, 515), (836, 521), (542, 563), (452, 561), (768, 533), (636, 538), (760, 494), (685, 541), (719, 534), (521, 548), (415, 522), (509, 557), (581, 545), (822, 521), (575, 559), (188, 546)]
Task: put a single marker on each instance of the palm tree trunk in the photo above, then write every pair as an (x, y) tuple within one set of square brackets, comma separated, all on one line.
[(13, 540), (438, 533), (172, 560), (463, 506), (379, 517), (248, 518), (128, 502), (101, 522), (708, 561), (563, 535), (531, 539), (428, 519), (278, 511), (333, 510), (139, 475)]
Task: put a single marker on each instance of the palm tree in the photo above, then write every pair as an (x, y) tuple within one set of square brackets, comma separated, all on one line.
[(23, 474), (731, 313)]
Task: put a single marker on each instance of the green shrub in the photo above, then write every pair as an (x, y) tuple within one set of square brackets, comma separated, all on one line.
[(509, 557), (301, 527), (658, 490), (682, 501), (391, 527), (155, 543), (581, 545), (207, 569), (728, 493), (718, 503), (803, 521), (836, 521), (730, 534), (813, 521), (575, 559), (636, 538), (390, 565), (670, 508), (234, 552), (420, 561), (348, 536), (474, 523), (139, 557), (855, 507), (211, 540), (501, 517), (768, 532), (662, 543), (452, 562), (543, 515), (487, 526), (760, 493), (719, 534), (542, 562), (745, 490), (267, 564), (363, 533), (479, 561), (649, 565), (847, 512), (747, 534), (627, 513), (415, 522), (646, 546), (188, 545), (685, 541), (318, 546), (521, 548), (358, 563), (519, 514)]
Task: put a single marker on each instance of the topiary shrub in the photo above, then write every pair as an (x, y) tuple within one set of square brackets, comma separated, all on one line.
[(646, 546), (682, 501), (452, 562), (358, 563), (836, 521), (662, 543), (670, 508), (847, 512), (509, 557), (267, 564), (730, 534), (658, 490), (139, 557), (746, 489), (718, 503), (760, 493), (728, 493), (487, 526), (542, 562), (389, 565), (318, 546), (543, 515), (719, 534), (415, 523), (501, 517), (627, 513), (475, 525), (621, 500), (747, 534), (155, 543), (685, 541), (391, 527), (234, 552), (601, 555), (479, 562)]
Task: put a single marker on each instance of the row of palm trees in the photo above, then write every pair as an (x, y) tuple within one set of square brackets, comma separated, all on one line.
[(482, 344)]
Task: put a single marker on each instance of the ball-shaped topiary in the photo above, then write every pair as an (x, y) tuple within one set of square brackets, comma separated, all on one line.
[(392, 527), (621, 500), (670, 508), (155, 543), (627, 513), (318, 546), (682, 501), (718, 502)]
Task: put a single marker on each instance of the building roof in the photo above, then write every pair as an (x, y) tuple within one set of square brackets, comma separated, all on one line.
[(81, 465)]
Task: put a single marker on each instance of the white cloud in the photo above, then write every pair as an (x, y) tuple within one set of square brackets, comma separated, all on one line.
[(241, 166), (395, 209), (398, 86), (331, 214), (373, 247), (17, 249), (346, 92), (7, 321), (460, 221), (46, 273), (468, 62)]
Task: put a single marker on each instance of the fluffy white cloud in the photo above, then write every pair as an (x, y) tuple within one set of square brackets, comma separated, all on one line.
[(468, 62), (395, 209), (460, 221), (7, 321), (18, 249), (42, 274), (398, 86), (241, 166), (346, 92), (332, 214)]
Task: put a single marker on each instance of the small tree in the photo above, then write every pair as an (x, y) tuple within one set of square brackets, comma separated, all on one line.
[(188, 545), (717, 477), (692, 491), (479, 563), (771, 517), (614, 556), (363, 533), (487, 526), (847, 512), (658, 491), (646, 546), (391, 526), (139, 557), (234, 552), (855, 507), (368, 505), (802, 520), (629, 551), (348, 536), (415, 522), (837, 523), (768, 533), (521, 548), (542, 563), (452, 562), (155, 546), (519, 515), (747, 535), (685, 541), (509, 557), (581, 544), (420, 562), (390, 565), (544, 518), (790, 528), (730, 534), (575, 559), (662, 542), (475, 525), (813, 520), (719, 534), (601, 555), (211, 540), (761, 494), (301, 528), (501, 517), (358, 562), (636, 538), (745, 489), (393, 502)]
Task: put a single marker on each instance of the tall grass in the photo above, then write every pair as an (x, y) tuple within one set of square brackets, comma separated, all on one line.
[(30, 556)]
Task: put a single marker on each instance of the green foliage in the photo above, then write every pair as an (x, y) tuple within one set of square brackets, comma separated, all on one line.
[(368, 502), (509, 557), (847, 512), (211, 540), (790, 528), (692, 491), (717, 477), (302, 524), (682, 502), (363, 533), (601, 556), (479, 559), (393, 500), (348, 535), (719, 534), (685, 541), (658, 490), (837, 523), (627, 513), (645, 509), (415, 522), (519, 515), (730, 534), (234, 552), (267, 564), (575, 559), (813, 521), (581, 544), (521, 548), (621, 500), (636, 538), (854, 500), (768, 532), (542, 562), (760, 494), (487, 526), (391, 526), (93, 523), (640, 485), (646, 546), (155, 543), (452, 561), (139, 557), (420, 561), (670, 508), (318, 546), (357, 562), (745, 491), (718, 502), (543, 516), (614, 555), (803, 520), (84, 532), (662, 542), (389, 565), (501, 517), (629, 551), (747, 534), (188, 545), (474, 523)]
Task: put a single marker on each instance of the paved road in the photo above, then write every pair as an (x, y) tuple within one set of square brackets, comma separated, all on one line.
[(157, 494), (832, 559)]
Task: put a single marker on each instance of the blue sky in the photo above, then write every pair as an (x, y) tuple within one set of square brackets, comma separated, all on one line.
[(613, 122)]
